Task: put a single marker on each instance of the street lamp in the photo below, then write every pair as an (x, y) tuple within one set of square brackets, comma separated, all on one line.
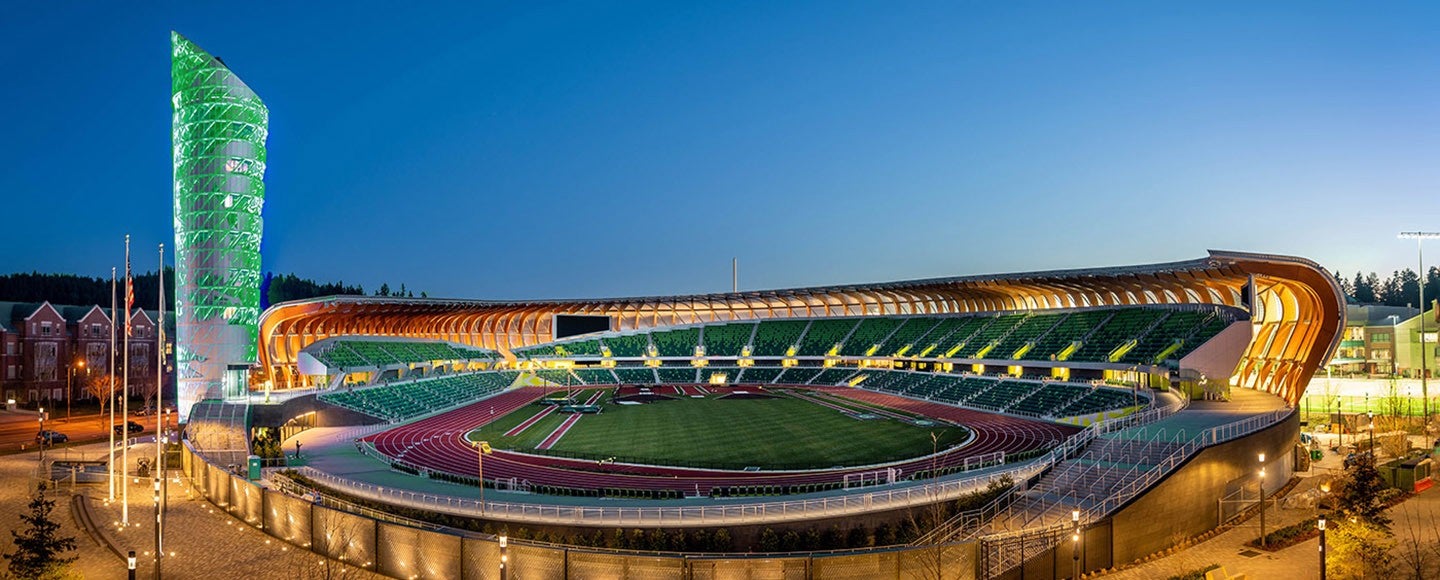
[(504, 558), (1419, 238), (130, 564), (1075, 539), (1371, 427), (45, 438), (1262, 500), (69, 385), (1320, 523)]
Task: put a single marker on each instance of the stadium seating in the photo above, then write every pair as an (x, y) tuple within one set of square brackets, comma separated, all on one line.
[(628, 345), (797, 375), (727, 340), (580, 348), (965, 389), (988, 334), (907, 335), (775, 337), (1030, 329), (676, 343), (869, 335), (1071, 330), (403, 401), (355, 353), (1050, 399), (1125, 325), (635, 375), (947, 338), (557, 376), (758, 375), (1101, 399), (833, 376), (824, 334), (596, 376), (1177, 326), (676, 374), (1003, 394)]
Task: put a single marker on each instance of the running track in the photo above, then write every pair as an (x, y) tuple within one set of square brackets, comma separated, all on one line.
[(438, 443)]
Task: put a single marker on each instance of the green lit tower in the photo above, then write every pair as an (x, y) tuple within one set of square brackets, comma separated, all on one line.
[(218, 136)]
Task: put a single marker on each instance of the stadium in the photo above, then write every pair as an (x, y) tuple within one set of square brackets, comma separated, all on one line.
[(1079, 397), (1040, 424)]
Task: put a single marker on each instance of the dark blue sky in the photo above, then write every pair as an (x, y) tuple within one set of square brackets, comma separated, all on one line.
[(510, 150)]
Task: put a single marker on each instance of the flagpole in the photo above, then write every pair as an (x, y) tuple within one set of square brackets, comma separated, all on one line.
[(110, 456), (125, 394), (159, 405)]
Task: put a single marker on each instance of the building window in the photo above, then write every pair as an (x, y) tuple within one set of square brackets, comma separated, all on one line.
[(1380, 337), (12, 372), (45, 359), (45, 329), (95, 330)]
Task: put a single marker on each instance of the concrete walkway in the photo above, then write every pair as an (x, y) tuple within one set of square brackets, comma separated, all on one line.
[(206, 542), (1415, 518)]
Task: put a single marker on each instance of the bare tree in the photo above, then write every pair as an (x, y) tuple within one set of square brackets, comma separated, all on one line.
[(1418, 541), (99, 386)]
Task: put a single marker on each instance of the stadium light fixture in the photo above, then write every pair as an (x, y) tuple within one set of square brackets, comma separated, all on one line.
[(1420, 238)]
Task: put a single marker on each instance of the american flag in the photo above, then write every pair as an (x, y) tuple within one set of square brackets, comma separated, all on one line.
[(129, 288)]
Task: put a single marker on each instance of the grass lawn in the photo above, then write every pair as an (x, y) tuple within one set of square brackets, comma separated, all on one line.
[(781, 433)]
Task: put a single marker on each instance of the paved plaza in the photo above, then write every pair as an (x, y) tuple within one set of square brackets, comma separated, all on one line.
[(207, 543)]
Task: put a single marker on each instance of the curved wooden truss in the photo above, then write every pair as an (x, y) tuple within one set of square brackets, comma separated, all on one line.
[(1297, 311)]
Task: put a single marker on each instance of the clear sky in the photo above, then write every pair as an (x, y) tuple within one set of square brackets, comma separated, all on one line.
[(519, 150)]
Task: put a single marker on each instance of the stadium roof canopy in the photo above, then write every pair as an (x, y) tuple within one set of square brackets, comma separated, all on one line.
[(1297, 309)]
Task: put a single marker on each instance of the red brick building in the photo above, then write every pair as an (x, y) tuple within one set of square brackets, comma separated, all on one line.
[(42, 344)]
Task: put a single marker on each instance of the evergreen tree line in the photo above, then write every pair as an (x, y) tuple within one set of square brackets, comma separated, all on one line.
[(85, 290), (275, 289), (1402, 288)]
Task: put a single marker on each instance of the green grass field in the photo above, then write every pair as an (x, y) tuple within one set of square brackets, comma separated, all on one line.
[(781, 433)]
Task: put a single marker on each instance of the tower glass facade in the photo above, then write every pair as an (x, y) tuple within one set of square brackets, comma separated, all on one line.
[(218, 133)]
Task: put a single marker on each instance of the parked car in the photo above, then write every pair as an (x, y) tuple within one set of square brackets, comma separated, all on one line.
[(48, 437), (128, 427)]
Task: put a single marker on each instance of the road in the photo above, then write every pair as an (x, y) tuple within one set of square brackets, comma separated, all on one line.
[(17, 429)]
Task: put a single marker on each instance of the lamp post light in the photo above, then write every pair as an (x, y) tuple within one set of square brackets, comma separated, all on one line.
[(504, 557), (45, 439), (1419, 238), (1075, 539), (1262, 500), (70, 385), (1371, 416), (1320, 523), (130, 564)]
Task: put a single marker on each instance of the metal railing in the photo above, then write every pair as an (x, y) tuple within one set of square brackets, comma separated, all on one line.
[(663, 516)]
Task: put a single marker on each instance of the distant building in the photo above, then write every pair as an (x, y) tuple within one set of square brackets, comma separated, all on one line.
[(41, 344), (1384, 340)]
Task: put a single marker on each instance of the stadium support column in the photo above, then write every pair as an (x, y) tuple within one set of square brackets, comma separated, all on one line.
[(218, 133)]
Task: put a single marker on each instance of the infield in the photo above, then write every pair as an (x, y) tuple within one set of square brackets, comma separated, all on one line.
[(726, 433)]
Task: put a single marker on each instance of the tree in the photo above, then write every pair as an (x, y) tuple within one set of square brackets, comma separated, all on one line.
[(1345, 286), (1360, 498), (1364, 288), (98, 386), (38, 549), (1360, 550)]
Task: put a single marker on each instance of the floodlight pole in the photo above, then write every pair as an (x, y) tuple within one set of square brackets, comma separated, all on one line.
[(1419, 238)]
